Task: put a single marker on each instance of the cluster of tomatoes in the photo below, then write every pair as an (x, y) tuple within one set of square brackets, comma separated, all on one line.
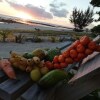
[(75, 53)]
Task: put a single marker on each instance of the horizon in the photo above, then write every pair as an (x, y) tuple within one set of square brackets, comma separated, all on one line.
[(55, 12)]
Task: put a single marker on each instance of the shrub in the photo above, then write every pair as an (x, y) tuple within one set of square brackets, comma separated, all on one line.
[(52, 39), (37, 39)]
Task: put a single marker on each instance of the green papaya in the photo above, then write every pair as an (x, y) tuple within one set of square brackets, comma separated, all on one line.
[(28, 55), (52, 78), (52, 53)]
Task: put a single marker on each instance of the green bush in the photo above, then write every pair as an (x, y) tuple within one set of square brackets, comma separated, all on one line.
[(37, 39), (53, 39)]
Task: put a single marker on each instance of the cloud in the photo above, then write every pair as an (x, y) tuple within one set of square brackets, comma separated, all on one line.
[(36, 12), (55, 4), (58, 9), (1, 0), (59, 13)]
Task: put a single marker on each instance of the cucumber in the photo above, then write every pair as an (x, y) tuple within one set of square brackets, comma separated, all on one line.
[(52, 78)]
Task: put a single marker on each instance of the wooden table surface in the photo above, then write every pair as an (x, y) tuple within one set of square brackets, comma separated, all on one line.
[(85, 81)]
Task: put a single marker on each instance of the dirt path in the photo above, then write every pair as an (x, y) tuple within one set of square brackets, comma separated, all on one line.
[(5, 48)]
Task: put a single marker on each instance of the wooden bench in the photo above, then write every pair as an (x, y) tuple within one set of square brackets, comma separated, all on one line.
[(85, 81)]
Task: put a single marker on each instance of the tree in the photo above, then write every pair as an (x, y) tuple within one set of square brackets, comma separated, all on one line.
[(96, 3), (96, 30), (81, 18)]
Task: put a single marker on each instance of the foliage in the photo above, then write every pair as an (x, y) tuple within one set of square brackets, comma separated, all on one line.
[(96, 3), (81, 18), (96, 30), (4, 34), (61, 39), (37, 39), (53, 39), (19, 38)]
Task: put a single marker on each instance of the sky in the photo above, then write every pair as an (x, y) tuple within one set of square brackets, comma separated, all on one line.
[(50, 11)]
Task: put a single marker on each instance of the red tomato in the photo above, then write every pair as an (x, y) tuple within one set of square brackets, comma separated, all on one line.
[(77, 42), (92, 45), (80, 48), (81, 56), (88, 51), (76, 59), (85, 40), (70, 48), (61, 58), (98, 48), (73, 53), (63, 65), (49, 64), (57, 66), (69, 60), (55, 60), (66, 54)]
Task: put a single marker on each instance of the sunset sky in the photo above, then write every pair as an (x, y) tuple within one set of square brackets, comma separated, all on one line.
[(51, 11)]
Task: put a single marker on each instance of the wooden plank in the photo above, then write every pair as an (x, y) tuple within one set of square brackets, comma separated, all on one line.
[(78, 89), (32, 93), (11, 89), (83, 83), (37, 93), (3, 77), (89, 66)]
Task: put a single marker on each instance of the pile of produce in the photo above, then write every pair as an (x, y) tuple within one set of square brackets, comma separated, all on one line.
[(47, 67)]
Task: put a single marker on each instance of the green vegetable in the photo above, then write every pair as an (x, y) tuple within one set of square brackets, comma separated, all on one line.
[(52, 78), (28, 55), (52, 53)]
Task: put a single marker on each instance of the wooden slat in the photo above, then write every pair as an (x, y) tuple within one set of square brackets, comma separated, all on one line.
[(32, 93), (37, 93), (89, 66), (48, 94), (83, 83), (11, 89), (2, 76)]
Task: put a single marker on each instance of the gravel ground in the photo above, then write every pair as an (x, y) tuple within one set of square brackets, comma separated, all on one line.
[(5, 48)]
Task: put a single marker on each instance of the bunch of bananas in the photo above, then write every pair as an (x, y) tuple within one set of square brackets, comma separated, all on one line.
[(24, 64)]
